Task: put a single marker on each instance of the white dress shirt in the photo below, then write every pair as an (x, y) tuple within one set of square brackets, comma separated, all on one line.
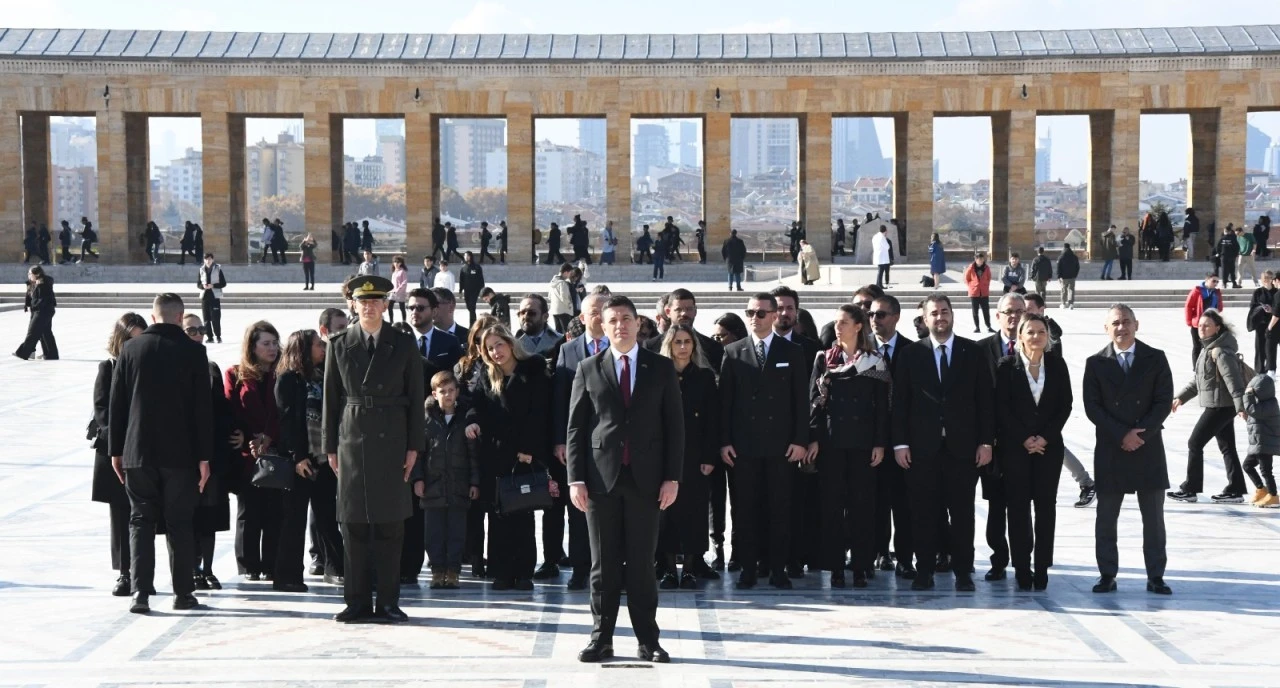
[(1131, 351), (1037, 386), (617, 365), (768, 341), (424, 348), (937, 355), (893, 346)]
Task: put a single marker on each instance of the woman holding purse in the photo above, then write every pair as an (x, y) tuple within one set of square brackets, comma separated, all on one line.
[(250, 387), (1033, 402)]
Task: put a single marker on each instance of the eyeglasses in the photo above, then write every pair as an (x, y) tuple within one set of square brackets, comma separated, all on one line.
[(879, 314), (718, 337), (1019, 312), (193, 331), (416, 309), (758, 313)]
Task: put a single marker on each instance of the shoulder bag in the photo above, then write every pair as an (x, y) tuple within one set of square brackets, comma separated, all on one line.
[(525, 491)]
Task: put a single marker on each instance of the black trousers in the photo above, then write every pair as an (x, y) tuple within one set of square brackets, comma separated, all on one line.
[(763, 483), (1151, 503), (1195, 347), (372, 555), (1229, 270), (326, 536), (211, 310), (848, 503), (257, 529), (1251, 464), (446, 533), (717, 492), (561, 320), (997, 508), (882, 275), (983, 304), (623, 527), (1273, 338), (893, 511), (309, 273), (171, 494), (1260, 351), (807, 523), (413, 549), (1126, 268), (1214, 423), (512, 550), (120, 512), (471, 300), (39, 330), (553, 532), (293, 530), (941, 486), (1031, 479)]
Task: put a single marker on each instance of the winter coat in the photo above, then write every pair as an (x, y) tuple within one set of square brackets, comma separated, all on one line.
[(809, 267), (937, 258), (560, 296), (1219, 380), (1264, 415), (1041, 269), (451, 465), (1012, 277), (516, 422), (1110, 247), (978, 282), (734, 253), (881, 249), (1068, 265), (1116, 402), (1195, 305), (1125, 251)]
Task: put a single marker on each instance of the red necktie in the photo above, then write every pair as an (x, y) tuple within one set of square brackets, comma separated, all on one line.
[(625, 383), (1010, 347)]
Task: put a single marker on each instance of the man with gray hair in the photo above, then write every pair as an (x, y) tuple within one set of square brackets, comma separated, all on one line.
[(1009, 312)]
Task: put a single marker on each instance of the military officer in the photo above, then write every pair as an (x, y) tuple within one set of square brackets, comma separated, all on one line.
[(373, 431)]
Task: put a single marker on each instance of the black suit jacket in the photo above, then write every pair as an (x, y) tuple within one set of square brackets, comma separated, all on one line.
[(924, 407), (1018, 416), (763, 411), (809, 348), (1116, 403), (993, 348), (895, 354), (160, 414), (571, 354), (711, 349), (445, 351), (600, 425)]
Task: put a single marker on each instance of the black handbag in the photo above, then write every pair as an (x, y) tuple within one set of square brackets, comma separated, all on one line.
[(527, 491), (273, 472)]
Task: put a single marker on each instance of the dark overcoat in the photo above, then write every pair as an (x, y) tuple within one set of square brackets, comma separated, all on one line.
[(1115, 403)]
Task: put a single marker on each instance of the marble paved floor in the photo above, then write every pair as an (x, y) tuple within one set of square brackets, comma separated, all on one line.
[(61, 627)]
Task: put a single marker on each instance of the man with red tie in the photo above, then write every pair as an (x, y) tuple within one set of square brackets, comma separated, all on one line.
[(624, 453), (1009, 313)]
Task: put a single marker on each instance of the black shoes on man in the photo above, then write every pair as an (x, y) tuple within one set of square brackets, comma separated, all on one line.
[(359, 614), (597, 651)]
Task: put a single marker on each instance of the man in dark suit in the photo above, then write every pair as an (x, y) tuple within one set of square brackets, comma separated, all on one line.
[(893, 510), (806, 512), (942, 430), (625, 445), (764, 407), (440, 350), (161, 441), (1128, 393), (592, 342), (681, 307), (1009, 312), (447, 302)]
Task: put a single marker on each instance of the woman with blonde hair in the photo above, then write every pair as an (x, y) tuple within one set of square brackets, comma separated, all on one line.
[(510, 406)]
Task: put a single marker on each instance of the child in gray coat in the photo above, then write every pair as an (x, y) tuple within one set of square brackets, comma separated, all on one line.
[(1264, 439)]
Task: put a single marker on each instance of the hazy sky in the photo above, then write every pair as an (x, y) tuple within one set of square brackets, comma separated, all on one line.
[(959, 156)]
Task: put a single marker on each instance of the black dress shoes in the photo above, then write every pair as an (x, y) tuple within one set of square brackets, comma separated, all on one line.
[(523, 584), (353, 614), (1041, 580), (923, 581), (795, 571), (669, 582), (965, 584), (184, 602), (315, 569), (547, 571), (688, 581), (1157, 586), (906, 570), (122, 587), (706, 573), (859, 579), (392, 614), (718, 564), (212, 580), (733, 566), (995, 574), (289, 587), (501, 584), (781, 582), (653, 653), (334, 579), (141, 603), (885, 563), (1024, 580), (746, 581), (596, 651), (199, 581), (1105, 584), (837, 580), (578, 581), (944, 563)]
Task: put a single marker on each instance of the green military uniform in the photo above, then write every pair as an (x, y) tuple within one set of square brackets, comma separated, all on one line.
[(372, 416)]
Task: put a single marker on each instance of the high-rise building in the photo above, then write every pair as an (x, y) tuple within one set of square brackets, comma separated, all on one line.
[(367, 173), (392, 150), (759, 145), (182, 181), (650, 147), (72, 142), (592, 136), (564, 174), (1256, 144), (1272, 159), (465, 145), (1044, 158), (689, 144), (275, 169), (855, 150), (75, 193), (388, 127)]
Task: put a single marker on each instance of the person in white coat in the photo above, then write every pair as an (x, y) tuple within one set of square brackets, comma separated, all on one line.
[(882, 254), (446, 279)]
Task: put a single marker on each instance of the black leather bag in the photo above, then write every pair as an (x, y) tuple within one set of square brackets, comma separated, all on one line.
[(526, 491), (273, 472)]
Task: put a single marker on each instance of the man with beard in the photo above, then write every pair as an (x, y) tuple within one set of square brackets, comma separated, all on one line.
[(444, 320), (534, 334), (440, 350), (681, 308), (893, 509)]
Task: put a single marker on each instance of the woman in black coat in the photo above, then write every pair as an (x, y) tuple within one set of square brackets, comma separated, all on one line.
[(1029, 421), (510, 405), (107, 487), (42, 303), (849, 419), (684, 524)]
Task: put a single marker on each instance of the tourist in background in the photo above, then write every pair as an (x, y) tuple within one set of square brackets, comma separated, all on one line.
[(1110, 251), (471, 281), (608, 244), (499, 306), (370, 265), (810, 270), (1164, 236), (1219, 383), (429, 271), (279, 243), (446, 280), (1226, 252), (268, 236), (1264, 439), (977, 280), (43, 238), (1014, 275), (734, 253), (1190, 228), (1261, 310), (1261, 236), (308, 249), (41, 302), (660, 251), (64, 240), (486, 237), (1125, 253), (366, 237), (29, 244), (399, 289), (187, 244), (502, 242), (560, 297), (1201, 298), (106, 487), (882, 255), (1068, 271), (937, 260), (211, 281), (1041, 271), (1246, 260), (250, 389), (553, 245), (838, 238), (152, 239), (88, 237), (700, 236)]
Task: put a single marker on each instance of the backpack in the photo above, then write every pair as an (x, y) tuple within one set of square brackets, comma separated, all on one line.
[(1246, 370)]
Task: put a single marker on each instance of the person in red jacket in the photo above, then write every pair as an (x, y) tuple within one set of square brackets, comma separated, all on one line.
[(1202, 297), (250, 387), (977, 277)]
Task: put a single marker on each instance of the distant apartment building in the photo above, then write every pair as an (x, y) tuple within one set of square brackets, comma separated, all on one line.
[(75, 193), (592, 136), (650, 147), (465, 145), (367, 173), (183, 179), (762, 145), (391, 149), (275, 169)]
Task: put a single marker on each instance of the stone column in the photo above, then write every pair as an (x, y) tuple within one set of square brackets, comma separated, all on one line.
[(1202, 178), (913, 179), (715, 179), (422, 182), (1228, 164), (618, 181), (520, 185), (1101, 128), (815, 181), (216, 213), (124, 185), (1125, 134), (322, 163), (238, 194), (36, 196), (1013, 183), (11, 210)]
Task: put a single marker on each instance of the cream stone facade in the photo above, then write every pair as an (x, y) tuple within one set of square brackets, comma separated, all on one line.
[(1217, 85)]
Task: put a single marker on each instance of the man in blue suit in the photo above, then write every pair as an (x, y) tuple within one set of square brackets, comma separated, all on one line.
[(440, 350), (572, 353)]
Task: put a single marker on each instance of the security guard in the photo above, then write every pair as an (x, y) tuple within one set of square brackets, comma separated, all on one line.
[(373, 432)]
